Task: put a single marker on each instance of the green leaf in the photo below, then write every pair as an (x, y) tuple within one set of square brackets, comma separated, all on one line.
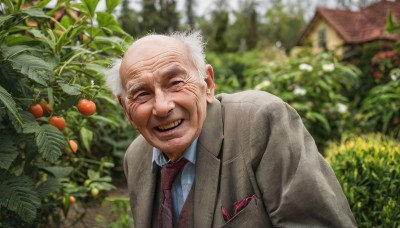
[(106, 19), (8, 151), (4, 19), (35, 68), (102, 186), (90, 6), (93, 174), (51, 185), (57, 171), (35, 12), (10, 5), (18, 195), (316, 116), (7, 100), (73, 89), (42, 3), (86, 137), (111, 5), (27, 119), (49, 140)]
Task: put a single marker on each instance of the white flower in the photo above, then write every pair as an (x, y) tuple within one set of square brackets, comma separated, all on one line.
[(263, 85), (305, 67), (92, 82), (395, 75), (342, 108), (299, 91), (329, 67)]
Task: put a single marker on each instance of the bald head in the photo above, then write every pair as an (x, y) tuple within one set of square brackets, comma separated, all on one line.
[(151, 50)]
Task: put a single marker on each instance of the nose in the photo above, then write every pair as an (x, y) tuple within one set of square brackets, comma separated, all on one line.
[(163, 104)]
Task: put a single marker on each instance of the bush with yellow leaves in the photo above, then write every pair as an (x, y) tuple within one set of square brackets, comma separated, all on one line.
[(368, 169)]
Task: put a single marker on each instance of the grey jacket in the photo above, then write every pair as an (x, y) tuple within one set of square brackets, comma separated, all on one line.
[(251, 143)]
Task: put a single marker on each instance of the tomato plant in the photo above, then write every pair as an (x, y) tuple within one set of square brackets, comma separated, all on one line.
[(86, 107), (56, 56)]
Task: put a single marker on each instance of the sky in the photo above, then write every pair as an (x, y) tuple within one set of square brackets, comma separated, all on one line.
[(205, 6)]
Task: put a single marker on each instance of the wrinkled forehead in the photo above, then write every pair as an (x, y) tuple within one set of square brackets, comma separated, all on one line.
[(152, 48)]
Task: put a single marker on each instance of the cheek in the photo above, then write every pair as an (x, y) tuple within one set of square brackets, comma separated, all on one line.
[(133, 114)]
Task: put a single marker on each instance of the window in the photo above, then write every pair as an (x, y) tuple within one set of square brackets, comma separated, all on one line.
[(322, 38)]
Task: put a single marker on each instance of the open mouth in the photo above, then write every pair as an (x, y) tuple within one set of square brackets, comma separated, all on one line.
[(170, 126)]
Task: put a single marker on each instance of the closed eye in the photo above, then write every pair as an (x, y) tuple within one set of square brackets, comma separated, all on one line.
[(141, 96), (176, 85)]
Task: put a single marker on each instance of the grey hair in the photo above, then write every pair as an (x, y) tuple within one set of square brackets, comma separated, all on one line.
[(113, 78), (194, 42)]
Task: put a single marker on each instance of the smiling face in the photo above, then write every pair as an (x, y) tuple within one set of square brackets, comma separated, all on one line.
[(164, 97)]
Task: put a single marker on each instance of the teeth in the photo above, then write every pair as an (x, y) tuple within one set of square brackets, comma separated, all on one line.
[(170, 125)]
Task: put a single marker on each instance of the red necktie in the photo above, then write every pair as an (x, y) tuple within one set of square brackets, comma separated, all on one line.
[(168, 175)]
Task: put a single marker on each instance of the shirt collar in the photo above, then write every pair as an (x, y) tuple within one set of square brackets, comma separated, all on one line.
[(189, 154)]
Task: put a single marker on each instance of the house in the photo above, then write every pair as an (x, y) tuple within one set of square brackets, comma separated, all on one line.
[(345, 31)]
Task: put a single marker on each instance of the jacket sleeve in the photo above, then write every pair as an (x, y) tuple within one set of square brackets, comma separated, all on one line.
[(297, 185)]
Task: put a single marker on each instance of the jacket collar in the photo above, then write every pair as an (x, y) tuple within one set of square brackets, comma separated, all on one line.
[(208, 166)]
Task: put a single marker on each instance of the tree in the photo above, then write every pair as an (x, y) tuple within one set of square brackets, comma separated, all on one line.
[(158, 16), (243, 32), (215, 28), (283, 23), (190, 16), (128, 19)]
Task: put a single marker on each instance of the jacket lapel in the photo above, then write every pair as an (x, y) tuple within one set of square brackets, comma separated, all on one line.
[(208, 166), (146, 182)]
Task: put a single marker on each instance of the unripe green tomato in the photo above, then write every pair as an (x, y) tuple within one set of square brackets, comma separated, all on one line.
[(86, 183), (95, 192)]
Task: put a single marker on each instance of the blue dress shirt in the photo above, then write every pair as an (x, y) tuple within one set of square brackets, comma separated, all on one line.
[(183, 182)]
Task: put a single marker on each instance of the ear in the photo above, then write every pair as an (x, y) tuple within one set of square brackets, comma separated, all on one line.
[(120, 101), (209, 79)]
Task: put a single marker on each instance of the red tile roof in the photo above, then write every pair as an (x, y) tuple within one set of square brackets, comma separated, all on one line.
[(362, 26)]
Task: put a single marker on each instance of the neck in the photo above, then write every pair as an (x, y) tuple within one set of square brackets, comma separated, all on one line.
[(172, 156)]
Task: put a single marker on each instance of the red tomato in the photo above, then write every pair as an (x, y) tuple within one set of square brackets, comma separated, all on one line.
[(58, 122), (47, 109), (72, 200), (86, 107), (72, 147), (36, 110)]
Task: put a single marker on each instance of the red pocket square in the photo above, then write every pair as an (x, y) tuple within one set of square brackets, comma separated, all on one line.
[(239, 205)]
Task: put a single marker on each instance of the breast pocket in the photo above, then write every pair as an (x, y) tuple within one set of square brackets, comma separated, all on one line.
[(252, 216)]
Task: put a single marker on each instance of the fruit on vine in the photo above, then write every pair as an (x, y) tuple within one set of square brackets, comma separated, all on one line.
[(47, 109), (86, 183), (86, 107), (36, 110), (95, 192), (72, 200), (73, 145), (58, 122)]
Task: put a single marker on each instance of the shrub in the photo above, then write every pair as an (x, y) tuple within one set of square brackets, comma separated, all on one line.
[(318, 87), (380, 110), (368, 169)]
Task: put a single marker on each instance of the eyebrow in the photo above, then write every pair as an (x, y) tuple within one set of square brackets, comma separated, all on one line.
[(136, 87), (173, 71)]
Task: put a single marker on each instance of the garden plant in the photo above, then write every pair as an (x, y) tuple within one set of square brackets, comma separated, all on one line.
[(61, 131)]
